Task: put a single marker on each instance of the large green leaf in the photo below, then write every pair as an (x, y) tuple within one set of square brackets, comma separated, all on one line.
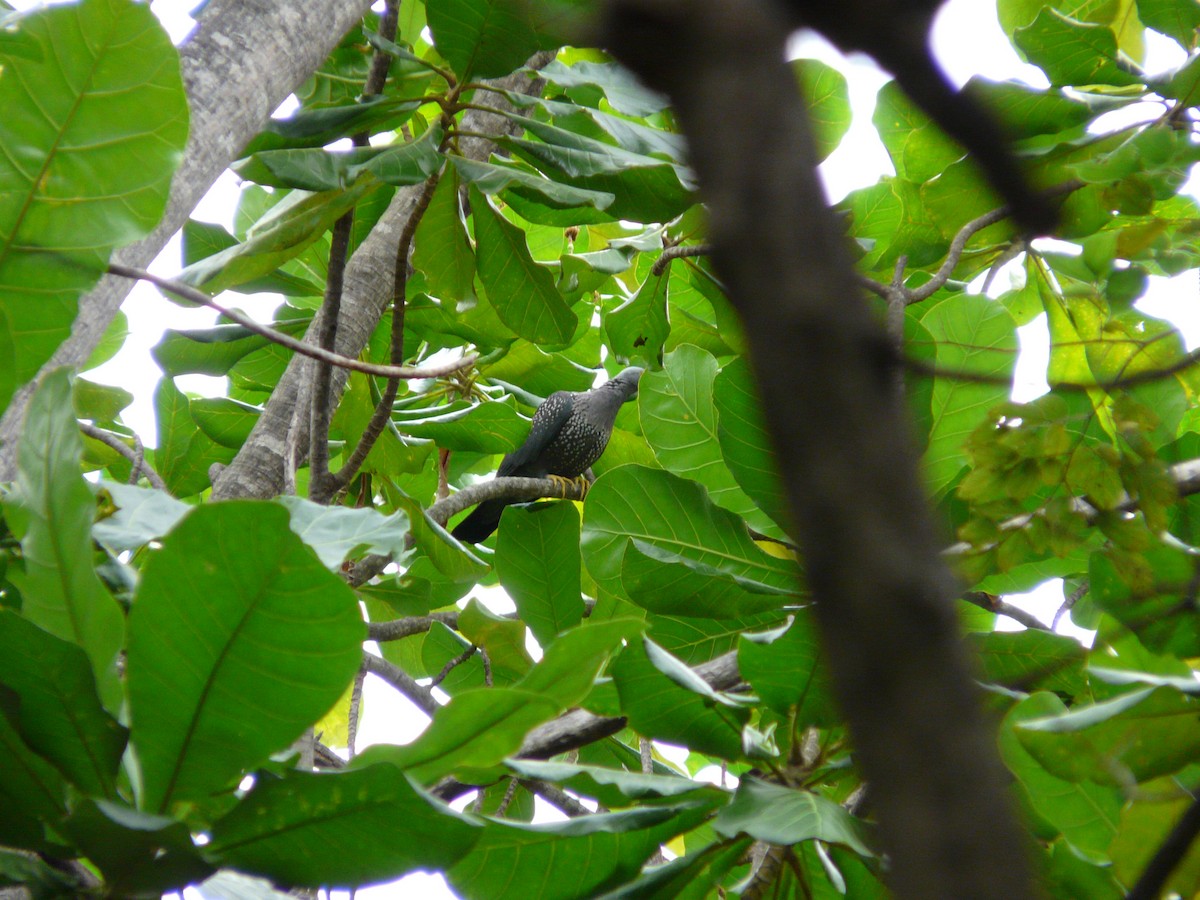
[(536, 198), (537, 559), (580, 857), (140, 855), (624, 92), (1071, 52), (745, 441), (482, 38), (638, 328), (51, 511), (478, 728), (1140, 735), (676, 516), (340, 829), (521, 290), (658, 705), (239, 639), (142, 515), (827, 96), (184, 453), (974, 336), (34, 794), (786, 668), (491, 427), (612, 787), (59, 714), (336, 532), (782, 815), (291, 226), (317, 169), (679, 420), (1085, 814), (100, 87), (646, 189), (440, 246)]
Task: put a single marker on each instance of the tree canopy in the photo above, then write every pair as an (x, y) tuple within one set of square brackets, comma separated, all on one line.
[(473, 207)]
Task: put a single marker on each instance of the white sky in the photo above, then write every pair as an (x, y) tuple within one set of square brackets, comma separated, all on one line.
[(967, 41)]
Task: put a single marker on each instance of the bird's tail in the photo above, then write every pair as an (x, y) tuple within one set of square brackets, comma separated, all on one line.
[(482, 521)]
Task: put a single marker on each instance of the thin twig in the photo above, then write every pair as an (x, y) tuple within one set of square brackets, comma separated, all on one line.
[(401, 681), (452, 664), (678, 252), (509, 793), (320, 489), (356, 693), (136, 458), (487, 666), (995, 604), (189, 293)]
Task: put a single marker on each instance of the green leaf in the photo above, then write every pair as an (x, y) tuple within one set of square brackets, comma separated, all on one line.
[(142, 515), (786, 668), (679, 420), (493, 426), (59, 714), (1140, 735), (827, 96), (227, 422), (317, 127), (450, 557), (101, 403), (667, 583), (567, 673), (745, 441), (340, 829), (184, 453), (658, 706), (1071, 52), (536, 198), (919, 149), (99, 87), (482, 38), (612, 787), (1085, 814), (50, 510), (208, 351), (782, 815), (638, 328), (478, 728), (1174, 19), (440, 246), (624, 92), (331, 170), (646, 189), (538, 562), (675, 515), (336, 533), (138, 854), (1023, 660), (580, 857), (521, 290), (503, 639), (289, 228), (32, 790), (973, 336), (203, 239), (239, 639)]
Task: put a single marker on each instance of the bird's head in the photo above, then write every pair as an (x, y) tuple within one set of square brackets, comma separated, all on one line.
[(626, 381)]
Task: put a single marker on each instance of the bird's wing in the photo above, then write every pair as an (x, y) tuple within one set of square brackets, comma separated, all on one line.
[(548, 421)]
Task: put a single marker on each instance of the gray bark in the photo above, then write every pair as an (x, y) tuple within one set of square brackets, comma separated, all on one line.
[(242, 61), (883, 597), (261, 466)]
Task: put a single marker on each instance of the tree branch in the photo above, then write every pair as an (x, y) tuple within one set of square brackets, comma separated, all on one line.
[(401, 681), (883, 596), (286, 340), (138, 460)]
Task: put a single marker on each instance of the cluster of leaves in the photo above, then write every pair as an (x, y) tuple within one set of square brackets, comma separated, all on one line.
[(159, 655)]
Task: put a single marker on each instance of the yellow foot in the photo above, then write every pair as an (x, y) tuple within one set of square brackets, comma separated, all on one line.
[(565, 484)]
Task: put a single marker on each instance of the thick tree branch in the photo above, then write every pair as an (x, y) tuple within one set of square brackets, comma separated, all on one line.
[(884, 599)]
